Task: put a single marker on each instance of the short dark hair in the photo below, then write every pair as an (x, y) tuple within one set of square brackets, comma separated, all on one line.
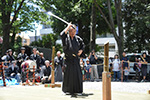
[(144, 53), (116, 55)]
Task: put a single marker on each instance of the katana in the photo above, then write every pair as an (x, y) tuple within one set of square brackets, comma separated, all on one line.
[(51, 14)]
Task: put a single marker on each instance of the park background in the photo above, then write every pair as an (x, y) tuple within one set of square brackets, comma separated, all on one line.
[(125, 23)]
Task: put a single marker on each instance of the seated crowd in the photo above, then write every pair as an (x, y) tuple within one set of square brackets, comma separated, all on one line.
[(14, 69)]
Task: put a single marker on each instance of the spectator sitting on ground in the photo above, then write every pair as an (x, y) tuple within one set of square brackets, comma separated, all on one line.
[(35, 57), (47, 73), (10, 57), (21, 58), (13, 71), (42, 64), (116, 68), (88, 70), (42, 59)]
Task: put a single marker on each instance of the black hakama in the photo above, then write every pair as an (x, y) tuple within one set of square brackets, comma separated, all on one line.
[(72, 82)]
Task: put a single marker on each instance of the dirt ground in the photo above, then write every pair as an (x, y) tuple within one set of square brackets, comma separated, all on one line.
[(41, 93)]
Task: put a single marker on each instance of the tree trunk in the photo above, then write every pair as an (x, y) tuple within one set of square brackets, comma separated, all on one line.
[(93, 26), (118, 37), (5, 31), (13, 38), (118, 5), (5, 44), (120, 47), (80, 33)]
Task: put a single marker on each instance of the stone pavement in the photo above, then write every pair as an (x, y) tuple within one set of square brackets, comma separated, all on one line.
[(42, 93)]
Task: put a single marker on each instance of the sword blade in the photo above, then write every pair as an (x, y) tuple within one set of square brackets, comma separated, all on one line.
[(49, 13)]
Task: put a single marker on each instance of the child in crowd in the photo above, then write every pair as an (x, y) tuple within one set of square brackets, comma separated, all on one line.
[(82, 64), (116, 68), (88, 70), (126, 73), (83, 71)]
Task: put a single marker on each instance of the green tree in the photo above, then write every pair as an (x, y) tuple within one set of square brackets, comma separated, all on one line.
[(47, 41), (78, 12), (137, 25), (16, 16), (114, 20)]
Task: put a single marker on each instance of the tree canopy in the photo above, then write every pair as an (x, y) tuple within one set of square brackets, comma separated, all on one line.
[(104, 16), (137, 25), (47, 41), (79, 13), (16, 16)]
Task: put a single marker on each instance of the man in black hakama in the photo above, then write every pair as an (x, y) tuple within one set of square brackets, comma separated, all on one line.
[(73, 47)]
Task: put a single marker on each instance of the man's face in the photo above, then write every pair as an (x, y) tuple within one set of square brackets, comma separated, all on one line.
[(87, 62), (34, 51), (47, 64), (22, 51), (10, 52), (124, 54), (72, 32), (58, 54), (144, 55)]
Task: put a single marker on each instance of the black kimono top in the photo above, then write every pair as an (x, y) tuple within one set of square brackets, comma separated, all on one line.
[(71, 46), (47, 71), (22, 56)]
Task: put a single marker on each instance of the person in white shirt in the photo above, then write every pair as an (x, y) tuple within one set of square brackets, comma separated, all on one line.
[(116, 67)]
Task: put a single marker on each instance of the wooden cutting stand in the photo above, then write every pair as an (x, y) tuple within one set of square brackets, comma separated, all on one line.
[(148, 91), (106, 75), (52, 85)]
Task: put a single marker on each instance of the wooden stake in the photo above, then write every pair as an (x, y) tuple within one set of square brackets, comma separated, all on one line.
[(33, 81), (3, 73), (52, 85), (27, 81), (106, 76), (53, 67), (148, 91)]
